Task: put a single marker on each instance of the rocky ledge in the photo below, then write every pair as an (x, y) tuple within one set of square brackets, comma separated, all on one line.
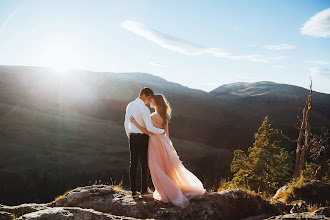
[(110, 202), (101, 202), (303, 200)]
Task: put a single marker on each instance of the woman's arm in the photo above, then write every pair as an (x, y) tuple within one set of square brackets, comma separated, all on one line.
[(166, 130), (144, 130)]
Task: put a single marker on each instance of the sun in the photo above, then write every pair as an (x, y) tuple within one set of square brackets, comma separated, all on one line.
[(60, 54)]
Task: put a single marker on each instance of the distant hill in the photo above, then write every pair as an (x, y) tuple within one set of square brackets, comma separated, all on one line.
[(62, 130), (282, 102), (263, 89), (105, 96)]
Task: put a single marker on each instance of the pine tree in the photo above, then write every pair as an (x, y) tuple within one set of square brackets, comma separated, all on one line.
[(267, 167)]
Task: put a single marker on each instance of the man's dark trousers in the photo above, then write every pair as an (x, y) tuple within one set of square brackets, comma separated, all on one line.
[(138, 147)]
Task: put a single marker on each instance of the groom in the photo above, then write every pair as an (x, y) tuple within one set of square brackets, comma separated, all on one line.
[(138, 141)]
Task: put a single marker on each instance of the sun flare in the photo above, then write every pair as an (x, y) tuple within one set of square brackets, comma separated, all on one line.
[(61, 54)]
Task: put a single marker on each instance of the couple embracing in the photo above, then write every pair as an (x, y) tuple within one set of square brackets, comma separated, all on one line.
[(149, 142)]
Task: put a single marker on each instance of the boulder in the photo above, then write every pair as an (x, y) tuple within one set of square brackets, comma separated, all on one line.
[(313, 192), (69, 213), (5, 215), (216, 205), (283, 207), (111, 202), (22, 209)]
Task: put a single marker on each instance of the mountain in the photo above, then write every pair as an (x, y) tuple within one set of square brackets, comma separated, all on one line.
[(57, 127), (263, 88), (60, 126), (281, 102), (105, 96), (273, 93)]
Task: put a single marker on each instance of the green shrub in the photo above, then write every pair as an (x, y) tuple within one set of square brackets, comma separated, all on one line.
[(266, 167)]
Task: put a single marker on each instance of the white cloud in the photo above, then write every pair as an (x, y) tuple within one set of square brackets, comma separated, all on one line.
[(157, 64), (6, 21), (318, 25), (320, 72), (186, 47), (280, 47), (317, 61)]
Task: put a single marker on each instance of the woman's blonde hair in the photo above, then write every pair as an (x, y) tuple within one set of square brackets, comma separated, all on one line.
[(164, 108)]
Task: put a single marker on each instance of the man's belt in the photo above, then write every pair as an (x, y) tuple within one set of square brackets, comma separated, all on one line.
[(136, 133)]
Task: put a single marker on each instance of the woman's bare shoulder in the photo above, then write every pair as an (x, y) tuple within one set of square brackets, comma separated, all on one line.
[(157, 115), (154, 115)]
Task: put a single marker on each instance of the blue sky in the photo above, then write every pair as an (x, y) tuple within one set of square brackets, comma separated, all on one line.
[(199, 44)]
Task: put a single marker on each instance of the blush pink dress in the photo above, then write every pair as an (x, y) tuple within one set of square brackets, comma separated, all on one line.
[(172, 181)]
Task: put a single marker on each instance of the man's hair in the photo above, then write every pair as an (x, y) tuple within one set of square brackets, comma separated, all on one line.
[(147, 91)]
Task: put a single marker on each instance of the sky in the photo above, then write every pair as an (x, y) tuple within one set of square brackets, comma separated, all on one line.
[(199, 44)]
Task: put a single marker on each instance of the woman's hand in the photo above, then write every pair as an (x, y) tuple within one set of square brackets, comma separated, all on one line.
[(132, 119), (144, 130)]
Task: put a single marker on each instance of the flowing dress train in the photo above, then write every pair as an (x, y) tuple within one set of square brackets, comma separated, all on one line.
[(172, 181)]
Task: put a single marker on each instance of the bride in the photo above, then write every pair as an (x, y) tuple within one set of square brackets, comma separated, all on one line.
[(173, 182)]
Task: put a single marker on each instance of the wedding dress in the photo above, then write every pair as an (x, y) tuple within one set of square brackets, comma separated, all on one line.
[(172, 181)]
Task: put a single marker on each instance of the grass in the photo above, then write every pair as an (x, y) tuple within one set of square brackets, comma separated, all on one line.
[(290, 194), (61, 196), (15, 216), (229, 185), (313, 207), (118, 187), (115, 186)]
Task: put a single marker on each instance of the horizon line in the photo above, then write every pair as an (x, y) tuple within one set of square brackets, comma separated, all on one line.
[(74, 69)]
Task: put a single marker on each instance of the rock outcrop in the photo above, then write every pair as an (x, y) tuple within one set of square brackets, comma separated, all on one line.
[(70, 213), (23, 208), (103, 202), (313, 192), (110, 202), (298, 200)]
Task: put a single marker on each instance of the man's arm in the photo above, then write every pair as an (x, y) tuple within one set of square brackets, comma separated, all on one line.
[(126, 122), (147, 121), (143, 129)]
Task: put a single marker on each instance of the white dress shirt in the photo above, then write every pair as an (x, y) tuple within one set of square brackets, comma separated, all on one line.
[(141, 113)]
